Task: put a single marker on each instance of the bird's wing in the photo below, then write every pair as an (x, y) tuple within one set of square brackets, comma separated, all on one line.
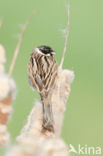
[(48, 71), (51, 75)]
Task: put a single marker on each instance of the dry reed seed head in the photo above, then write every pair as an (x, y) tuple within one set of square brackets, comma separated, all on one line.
[(40, 146), (53, 147), (60, 96), (2, 55), (66, 78), (2, 68), (4, 86), (28, 147), (7, 89), (62, 88), (17, 150), (7, 86), (33, 127), (34, 123), (5, 110), (4, 135), (69, 76), (66, 75)]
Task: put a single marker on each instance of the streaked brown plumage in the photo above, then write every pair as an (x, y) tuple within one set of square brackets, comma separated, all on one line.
[(42, 71)]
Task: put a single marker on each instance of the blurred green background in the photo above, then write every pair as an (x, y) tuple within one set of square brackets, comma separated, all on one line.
[(84, 110)]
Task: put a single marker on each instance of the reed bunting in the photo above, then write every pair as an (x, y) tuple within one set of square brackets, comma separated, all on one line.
[(42, 71)]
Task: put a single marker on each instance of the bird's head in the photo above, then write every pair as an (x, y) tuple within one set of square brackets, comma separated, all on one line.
[(45, 50)]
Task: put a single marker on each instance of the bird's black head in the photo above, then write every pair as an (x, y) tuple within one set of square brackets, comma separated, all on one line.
[(46, 50)]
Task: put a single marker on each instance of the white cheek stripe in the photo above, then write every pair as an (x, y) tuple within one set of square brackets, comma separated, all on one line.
[(47, 54), (38, 51)]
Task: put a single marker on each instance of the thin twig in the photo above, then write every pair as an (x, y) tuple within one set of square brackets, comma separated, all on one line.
[(19, 45), (66, 41)]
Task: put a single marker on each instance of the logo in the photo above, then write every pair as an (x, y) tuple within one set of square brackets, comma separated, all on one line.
[(85, 150)]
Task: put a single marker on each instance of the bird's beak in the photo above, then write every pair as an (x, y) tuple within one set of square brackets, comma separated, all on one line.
[(53, 53)]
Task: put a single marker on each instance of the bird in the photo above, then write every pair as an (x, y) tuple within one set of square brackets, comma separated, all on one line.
[(42, 74)]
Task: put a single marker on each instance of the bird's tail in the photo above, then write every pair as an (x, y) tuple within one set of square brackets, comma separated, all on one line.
[(47, 115)]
